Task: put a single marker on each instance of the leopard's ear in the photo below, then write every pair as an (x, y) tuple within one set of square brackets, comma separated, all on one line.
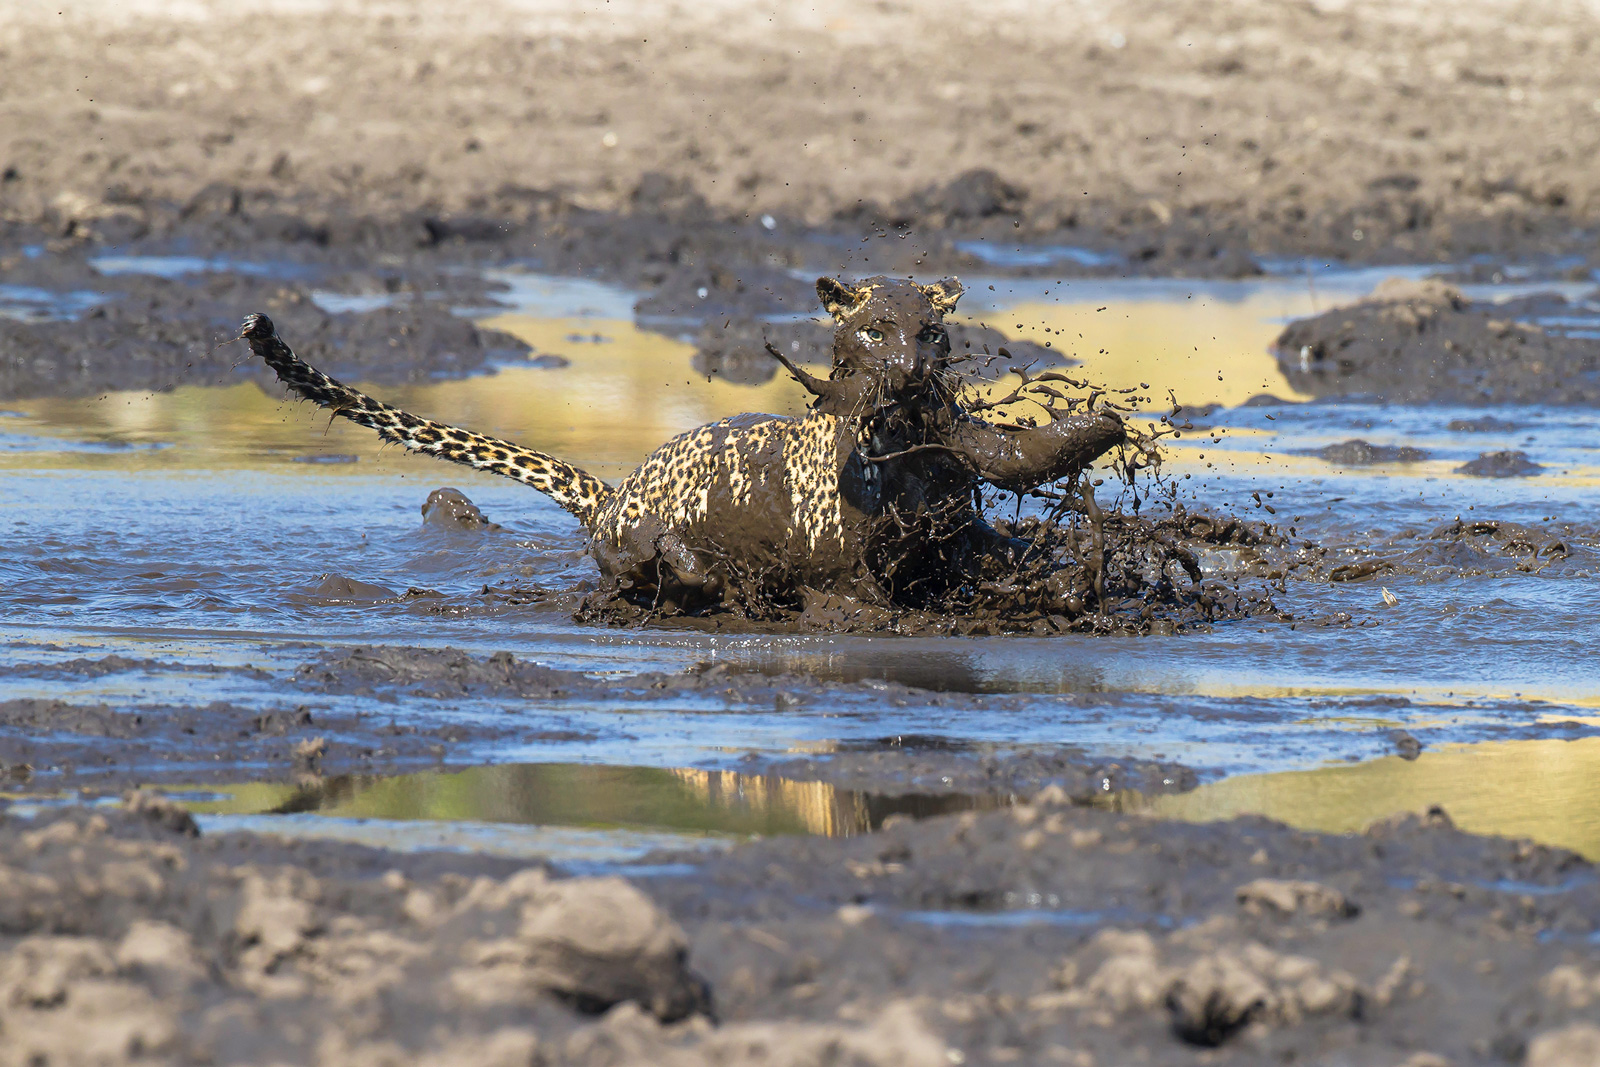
[(944, 294), (840, 299)]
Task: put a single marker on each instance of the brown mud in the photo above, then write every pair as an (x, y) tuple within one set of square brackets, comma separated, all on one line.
[(1425, 343), (1045, 933)]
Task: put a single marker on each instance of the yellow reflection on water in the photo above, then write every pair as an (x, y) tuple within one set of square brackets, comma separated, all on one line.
[(618, 400), (622, 397), (1544, 790), (583, 795), (1204, 349), (615, 403)]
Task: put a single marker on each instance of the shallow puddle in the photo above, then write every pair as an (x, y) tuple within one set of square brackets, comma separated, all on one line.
[(563, 812), (1537, 789)]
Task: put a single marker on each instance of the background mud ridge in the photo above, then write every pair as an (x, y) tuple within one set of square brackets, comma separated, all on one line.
[(82, 333), (1426, 136), (1425, 343), (155, 334), (1043, 933)]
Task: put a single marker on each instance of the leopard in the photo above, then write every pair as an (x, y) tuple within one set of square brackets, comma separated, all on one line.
[(873, 492)]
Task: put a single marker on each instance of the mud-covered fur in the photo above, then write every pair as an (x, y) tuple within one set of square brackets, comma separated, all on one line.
[(871, 493)]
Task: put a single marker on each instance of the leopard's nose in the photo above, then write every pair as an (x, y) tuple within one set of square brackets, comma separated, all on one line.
[(904, 370)]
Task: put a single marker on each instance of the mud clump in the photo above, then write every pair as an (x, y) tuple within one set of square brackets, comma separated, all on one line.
[(735, 350), (1425, 343), (1359, 453), (450, 509), (1501, 465), (1481, 424), (121, 939), (971, 196)]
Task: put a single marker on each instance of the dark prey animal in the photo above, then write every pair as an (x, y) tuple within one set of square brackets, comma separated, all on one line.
[(872, 494)]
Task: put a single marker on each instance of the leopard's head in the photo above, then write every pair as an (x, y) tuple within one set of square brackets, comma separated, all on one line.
[(889, 329)]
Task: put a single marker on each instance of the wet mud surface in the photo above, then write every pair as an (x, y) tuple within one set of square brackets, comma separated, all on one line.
[(1066, 930), (48, 746)]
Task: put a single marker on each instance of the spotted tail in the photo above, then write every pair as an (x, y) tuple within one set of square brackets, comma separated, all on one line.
[(577, 491)]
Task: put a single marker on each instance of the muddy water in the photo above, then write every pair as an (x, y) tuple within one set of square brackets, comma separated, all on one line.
[(200, 526)]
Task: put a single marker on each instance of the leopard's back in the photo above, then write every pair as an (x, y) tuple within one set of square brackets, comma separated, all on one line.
[(770, 479)]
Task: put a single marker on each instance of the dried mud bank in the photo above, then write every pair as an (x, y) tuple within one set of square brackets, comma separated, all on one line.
[(1042, 934), (629, 143)]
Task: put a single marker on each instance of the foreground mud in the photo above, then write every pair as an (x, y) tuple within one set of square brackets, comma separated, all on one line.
[(1042, 934)]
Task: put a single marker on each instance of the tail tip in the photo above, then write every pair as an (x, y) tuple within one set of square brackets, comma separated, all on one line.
[(257, 327)]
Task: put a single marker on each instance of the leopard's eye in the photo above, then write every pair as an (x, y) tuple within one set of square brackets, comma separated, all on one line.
[(872, 333), (930, 335)]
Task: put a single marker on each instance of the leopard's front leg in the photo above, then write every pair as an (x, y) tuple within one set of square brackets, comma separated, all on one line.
[(1019, 460)]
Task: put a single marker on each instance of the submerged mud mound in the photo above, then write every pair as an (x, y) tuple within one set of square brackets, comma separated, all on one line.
[(48, 745), (933, 766), (1460, 548), (1359, 453), (1425, 343), (1509, 464)]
